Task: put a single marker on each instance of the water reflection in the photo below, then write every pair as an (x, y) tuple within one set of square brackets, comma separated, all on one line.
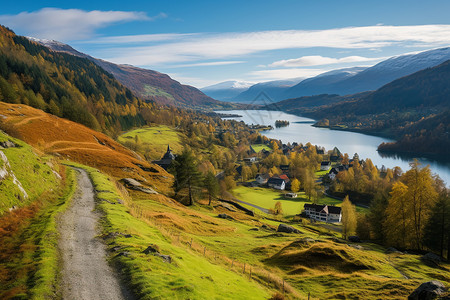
[(301, 131)]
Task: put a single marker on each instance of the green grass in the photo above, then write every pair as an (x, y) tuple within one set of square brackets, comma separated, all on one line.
[(259, 147), (154, 91), (34, 262), (32, 171), (189, 276), (156, 138)]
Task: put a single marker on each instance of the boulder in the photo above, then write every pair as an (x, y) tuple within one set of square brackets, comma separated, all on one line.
[(7, 144), (227, 206), (166, 258), (254, 229), (354, 239), (287, 229), (151, 249), (431, 257), (133, 184), (225, 216), (428, 291), (392, 250)]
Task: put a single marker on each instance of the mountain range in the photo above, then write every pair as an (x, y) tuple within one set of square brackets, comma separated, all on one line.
[(343, 81), (144, 83), (227, 90)]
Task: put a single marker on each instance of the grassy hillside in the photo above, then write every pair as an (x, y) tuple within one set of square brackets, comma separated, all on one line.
[(61, 137), (154, 140), (28, 233), (25, 175)]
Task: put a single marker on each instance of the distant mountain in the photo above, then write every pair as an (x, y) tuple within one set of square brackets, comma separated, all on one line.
[(227, 90), (265, 92), (147, 84), (321, 84)]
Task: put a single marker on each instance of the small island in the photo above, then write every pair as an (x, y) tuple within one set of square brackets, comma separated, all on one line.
[(281, 123)]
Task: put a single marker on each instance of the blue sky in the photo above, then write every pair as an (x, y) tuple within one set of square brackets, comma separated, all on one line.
[(206, 42)]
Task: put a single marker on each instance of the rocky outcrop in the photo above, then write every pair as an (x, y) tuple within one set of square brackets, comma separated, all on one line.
[(225, 216), (287, 229), (6, 171), (153, 249), (133, 184), (428, 291)]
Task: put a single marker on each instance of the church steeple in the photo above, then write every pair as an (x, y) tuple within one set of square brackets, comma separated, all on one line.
[(169, 154)]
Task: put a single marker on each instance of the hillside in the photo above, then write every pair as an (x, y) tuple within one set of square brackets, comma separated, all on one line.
[(356, 80), (147, 84), (413, 109), (65, 85), (265, 92), (66, 139)]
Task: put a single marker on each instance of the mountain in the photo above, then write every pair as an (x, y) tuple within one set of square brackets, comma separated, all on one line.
[(374, 77), (146, 84), (227, 90), (271, 91), (321, 84), (65, 85)]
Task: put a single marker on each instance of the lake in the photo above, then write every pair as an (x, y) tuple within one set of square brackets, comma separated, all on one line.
[(301, 131)]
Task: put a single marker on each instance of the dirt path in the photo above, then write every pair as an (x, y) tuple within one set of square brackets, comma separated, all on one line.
[(85, 272)]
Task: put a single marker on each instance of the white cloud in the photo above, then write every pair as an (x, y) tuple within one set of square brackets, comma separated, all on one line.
[(278, 74), (140, 38), (209, 46), (211, 63), (68, 24), (317, 60)]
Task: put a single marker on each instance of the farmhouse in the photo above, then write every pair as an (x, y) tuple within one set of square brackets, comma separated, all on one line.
[(262, 178), (276, 183), (324, 213), (325, 165), (166, 160), (250, 160)]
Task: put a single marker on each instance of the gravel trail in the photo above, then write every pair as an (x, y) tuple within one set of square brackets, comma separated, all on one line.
[(85, 271)]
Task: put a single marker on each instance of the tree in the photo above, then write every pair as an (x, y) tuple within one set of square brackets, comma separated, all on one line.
[(397, 224), (348, 218), (187, 175), (278, 208), (295, 185), (211, 185), (437, 229)]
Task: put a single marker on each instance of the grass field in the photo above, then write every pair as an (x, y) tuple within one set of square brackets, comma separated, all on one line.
[(157, 138), (266, 198), (259, 147)]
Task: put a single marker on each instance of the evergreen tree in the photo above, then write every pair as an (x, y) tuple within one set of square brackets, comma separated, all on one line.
[(437, 229), (187, 175)]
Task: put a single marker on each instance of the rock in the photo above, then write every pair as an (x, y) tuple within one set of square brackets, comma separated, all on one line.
[(431, 257), (227, 206), (254, 229), (359, 247), (115, 248), (392, 250), (308, 240), (428, 291), (225, 216), (166, 258), (133, 184), (124, 253), (151, 249), (287, 229), (7, 144), (354, 239)]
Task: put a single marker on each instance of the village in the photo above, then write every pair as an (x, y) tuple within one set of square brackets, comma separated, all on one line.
[(278, 183)]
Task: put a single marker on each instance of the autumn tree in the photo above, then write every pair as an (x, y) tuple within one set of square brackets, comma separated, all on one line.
[(348, 218), (295, 185), (278, 208), (397, 224)]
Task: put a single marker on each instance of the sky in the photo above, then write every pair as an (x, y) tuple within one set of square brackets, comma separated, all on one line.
[(206, 42)]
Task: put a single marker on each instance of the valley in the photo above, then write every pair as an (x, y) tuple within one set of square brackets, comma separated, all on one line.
[(313, 163)]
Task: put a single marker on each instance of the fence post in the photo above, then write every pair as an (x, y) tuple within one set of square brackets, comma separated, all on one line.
[(244, 267), (204, 250)]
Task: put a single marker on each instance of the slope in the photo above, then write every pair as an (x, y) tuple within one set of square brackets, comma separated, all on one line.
[(58, 136), (146, 84)]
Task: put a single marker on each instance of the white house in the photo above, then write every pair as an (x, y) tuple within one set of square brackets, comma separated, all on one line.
[(262, 178), (324, 213), (325, 165), (250, 159), (291, 195), (276, 183)]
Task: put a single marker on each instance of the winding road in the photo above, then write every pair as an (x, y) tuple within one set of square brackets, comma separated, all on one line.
[(85, 271)]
